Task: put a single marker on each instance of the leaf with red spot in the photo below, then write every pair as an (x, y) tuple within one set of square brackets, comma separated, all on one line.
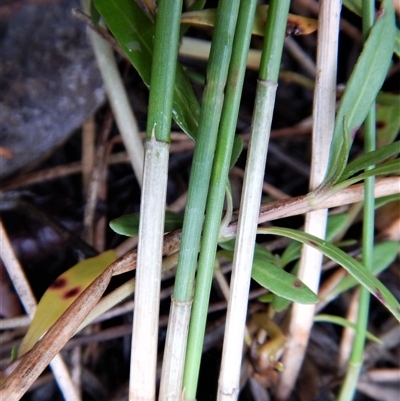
[(269, 274), (295, 23), (62, 293), (356, 269)]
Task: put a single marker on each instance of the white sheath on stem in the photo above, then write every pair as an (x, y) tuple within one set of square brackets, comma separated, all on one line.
[(228, 386), (148, 272)]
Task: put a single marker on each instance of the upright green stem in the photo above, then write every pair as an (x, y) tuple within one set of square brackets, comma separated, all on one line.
[(217, 71), (213, 97), (151, 226), (216, 194), (163, 69), (356, 359)]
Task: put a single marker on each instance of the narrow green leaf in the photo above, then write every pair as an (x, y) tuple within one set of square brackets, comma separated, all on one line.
[(94, 14), (388, 99), (364, 84), (228, 245), (236, 150), (270, 275), (186, 108), (387, 124), (397, 43), (263, 254), (354, 6), (279, 304), (386, 199), (128, 224), (291, 253), (336, 222), (356, 269), (384, 255), (266, 298), (134, 32), (390, 167), (259, 251), (342, 157), (281, 283), (345, 323), (371, 159)]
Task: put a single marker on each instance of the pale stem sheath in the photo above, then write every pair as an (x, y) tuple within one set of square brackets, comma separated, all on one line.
[(228, 388), (229, 378), (323, 125), (148, 275)]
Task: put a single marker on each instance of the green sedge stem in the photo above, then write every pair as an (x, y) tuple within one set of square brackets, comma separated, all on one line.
[(356, 359), (216, 195)]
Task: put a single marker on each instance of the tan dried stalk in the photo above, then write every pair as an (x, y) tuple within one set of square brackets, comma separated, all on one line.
[(323, 125)]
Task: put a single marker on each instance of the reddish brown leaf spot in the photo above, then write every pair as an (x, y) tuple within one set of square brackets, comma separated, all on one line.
[(58, 283), (313, 243), (72, 292), (297, 284), (380, 124)]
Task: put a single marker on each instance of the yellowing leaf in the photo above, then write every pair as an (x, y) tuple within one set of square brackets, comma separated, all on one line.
[(295, 23), (62, 293)]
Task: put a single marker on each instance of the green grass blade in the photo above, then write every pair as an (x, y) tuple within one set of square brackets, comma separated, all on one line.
[(387, 123), (383, 255), (134, 32), (345, 323), (390, 167), (365, 278), (269, 275), (128, 224), (370, 159), (363, 85)]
